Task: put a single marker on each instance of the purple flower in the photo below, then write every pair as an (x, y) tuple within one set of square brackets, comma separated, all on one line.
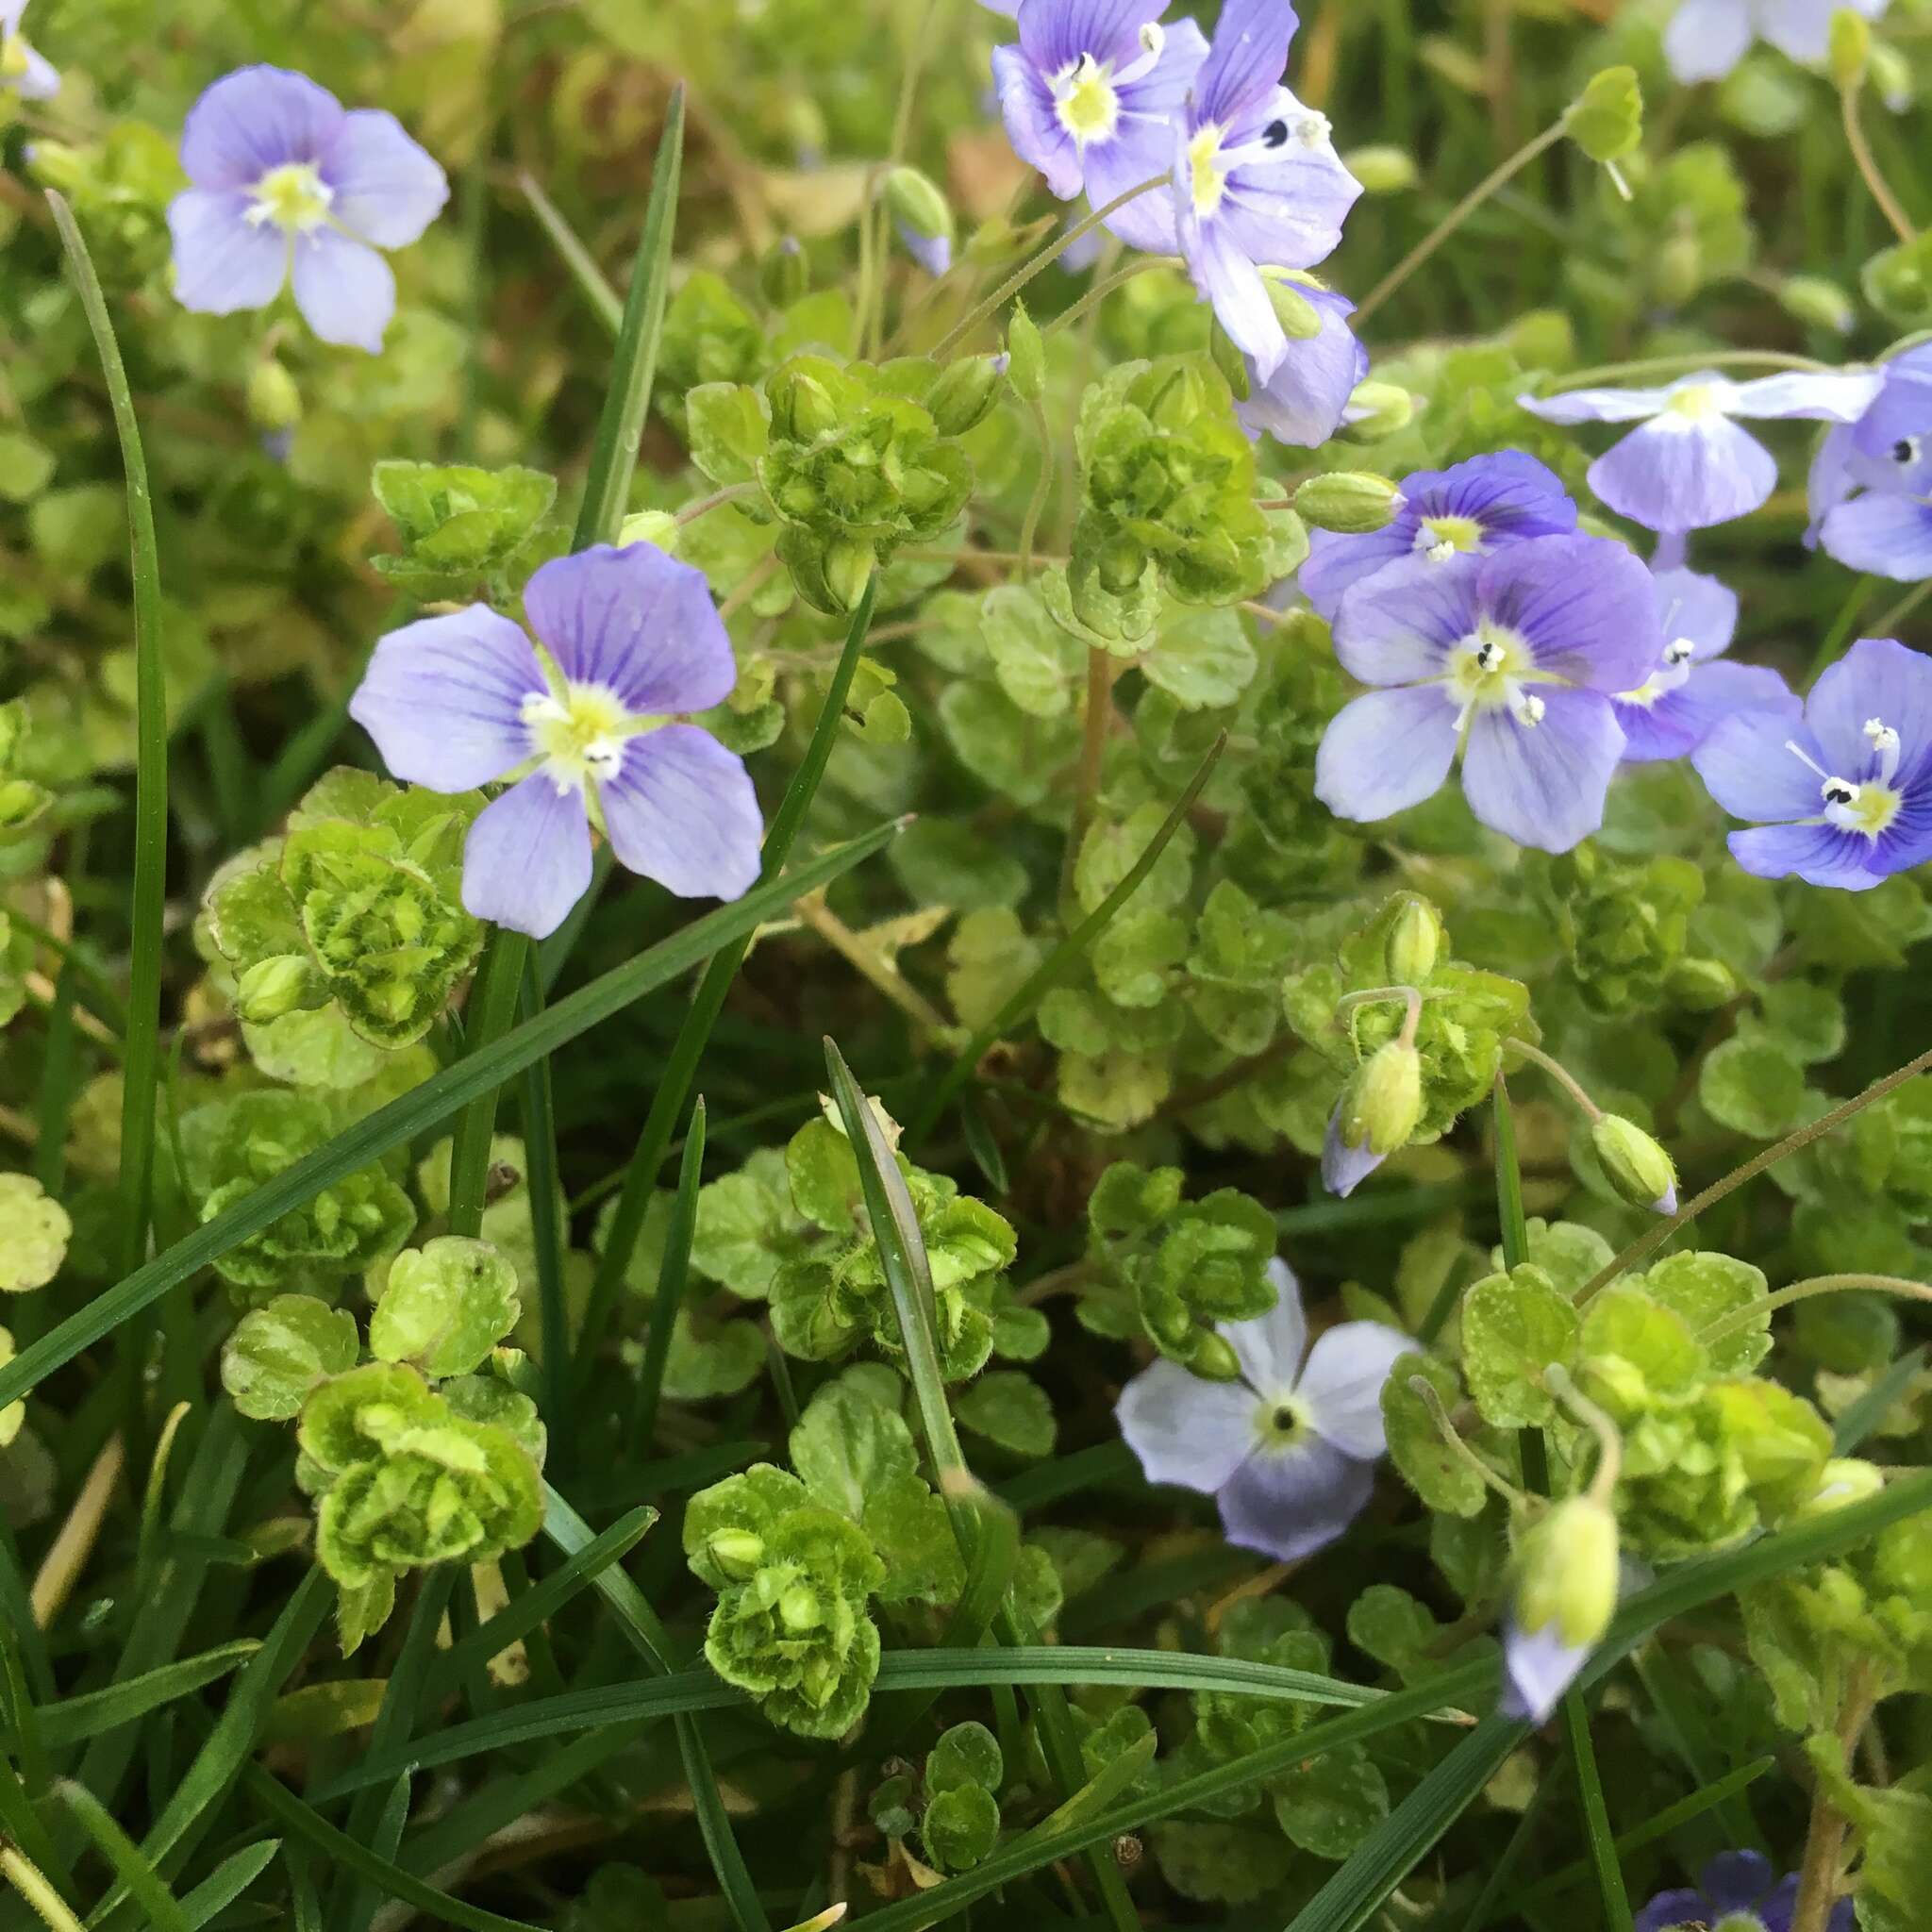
[(1289, 1450), (1306, 400), (1871, 479), (628, 638), (1346, 1167), (1510, 660), (1841, 786), (1706, 39), (288, 186), (1688, 693), (1539, 1667), (933, 253), (1738, 1892), (21, 70), (1689, 466), (1257, 182), (1088, 97), (1472, 508)]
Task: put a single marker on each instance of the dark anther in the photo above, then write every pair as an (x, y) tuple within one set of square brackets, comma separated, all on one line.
[(1274, 133)]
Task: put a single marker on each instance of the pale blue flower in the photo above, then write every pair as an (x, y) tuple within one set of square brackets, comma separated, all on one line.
[(1706, 39), (1736, 1892), (1870, 487), (23, 70), (1307, 399)]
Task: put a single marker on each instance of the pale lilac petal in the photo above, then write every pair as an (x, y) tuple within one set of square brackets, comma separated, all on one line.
[(1838, 395), (1185, 1429), (1229, 279), (1831, 479), (1696, 607), (1747, 767), (222, 262), (11, 13), (1342, 1382), (1800, 29), (1586, 608), (1598, 405), (1543, 785), (1335, 563), (1677, 723), (1346, 1167), (682, 810), (1820, 854), (344, 291), (1270, 1347), (1288, 209), (1054, 33), (1887, 535), (528, 857), (1027, 107), (1679, 473), (933, 253), (1399, 625), (1903, 409), (1683, 1907), (388, 190), (1247, 57), (1288, 1504), (1879, 678), (1706, 39), (1540, 1668), (253, 119), (38, 80), (1307, 400), (638, 623), (1386, 751), (444, 698), (1138, 153)]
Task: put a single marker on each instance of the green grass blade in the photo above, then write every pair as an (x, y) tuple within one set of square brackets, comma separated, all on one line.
[(614, 455), (491, 1008), (76, 1718), (570, 251), (145, 1884), (672, 1273), (548, 1230), (1600, 1839), (424, 1107), (695, 1030), (142, 1066), (1063, 956), (228, 1881), (1857, 1423)]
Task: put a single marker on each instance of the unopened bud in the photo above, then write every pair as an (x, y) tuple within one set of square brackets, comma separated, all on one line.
[(1843, 1480), (1415, 941), (736, 1551), (965, 393), (1606, 120), (802, 409), (1637, 1165), (1213, 1359), (1567, 1573), (657, 527), (1382, 170), (1848, 49), (1120, 565), (1679, 273), (799, 1608), (1703, 985), (1300, 320), (849, 565), (1817, 302), (1382, 1103), (1026, 356), (1229, 360), (784, 275), (923, 215), (272, 988), (1351, 501), (1377, 409), (273, 400)]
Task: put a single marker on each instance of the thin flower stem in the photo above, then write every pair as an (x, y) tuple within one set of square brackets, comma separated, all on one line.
[(1610, 1461), (33, 1886), (871, 314), (1655, 1237), (692, 511), (855, 948), (1681, 365), (1888, 625), (1103, 289), (1425, 1391), (1099, 719), (1559, 1074), (949, 342), (1831, 646), (1499, 176), (1376, 995), (1819, 1874), (1863, 157), (1740, 1319)]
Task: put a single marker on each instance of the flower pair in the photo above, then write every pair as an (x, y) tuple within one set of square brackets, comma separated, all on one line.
[(580, 723)]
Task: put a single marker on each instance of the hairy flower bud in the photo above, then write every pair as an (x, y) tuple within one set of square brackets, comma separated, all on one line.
[(1384, 1100), (1637, 1165), (783, 276), (1817, 302), (1415, 941), (1703, 985), (1843, 1481), (273, 400), (914, 201), (802, 407), (272, 988), (1848, 51), (965, 393), (1214, 1359), (1378, 410), (1229, 360), (657, 527), (1353, 503), (1566, 1572), (849, 564), (1382, 170), (1300, 320), (1026, 356)]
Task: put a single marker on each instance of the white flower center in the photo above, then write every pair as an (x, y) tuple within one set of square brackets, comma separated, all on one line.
[(1869, 804), (1669, 676), (579, 737), (1087, 101), (1438, 538), (294, 197), (1489, 669)]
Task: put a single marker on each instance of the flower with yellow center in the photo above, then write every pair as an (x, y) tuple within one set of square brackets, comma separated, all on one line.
[(294, 197)]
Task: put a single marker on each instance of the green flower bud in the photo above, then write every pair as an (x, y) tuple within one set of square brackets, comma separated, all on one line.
[(1229, 360), (783, 276), (274, 401), (1606, 120), (1415, 941), (1679, 273), (1384, 1100), (1848, 51), (1026, 356), (1384, 408), (915, 202), (965, 393), (272, 988), (1898, 282), (1817, 302), (1382, 170), (736, 1551), (1566, 1572), (1352, 502), (1214, 1359), (657, 527), (1703, 985), (1637, 1167), (1891, 78), (849, 564), (1119, 565), (1300, 320), (802, 407), (1843, 1481)]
